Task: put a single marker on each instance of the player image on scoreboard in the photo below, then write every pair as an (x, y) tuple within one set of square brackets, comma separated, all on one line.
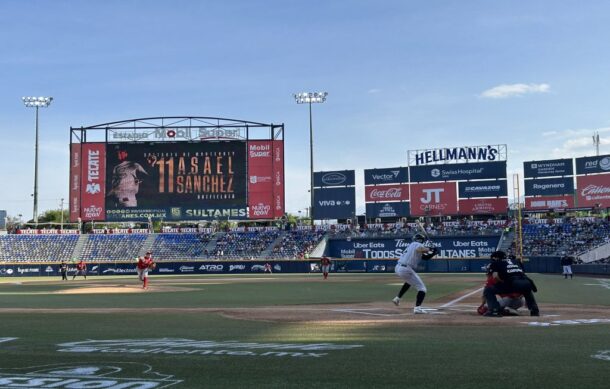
[(176, 180), (125, 181)]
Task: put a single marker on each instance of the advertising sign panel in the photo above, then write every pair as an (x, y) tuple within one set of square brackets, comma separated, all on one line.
[(549, 202), (398, 192), (491, 188), (93, 189), (449, 247), (2, 219), (549, 186), (588, 165), (399, 209), (75, 170), (434, 199), (593, 190), (458, 154), (392, 175), (261, 180), (548, 168), (334, 203), (458, 171), (177, 181), (335, 178), (483, 206), (278, 179)]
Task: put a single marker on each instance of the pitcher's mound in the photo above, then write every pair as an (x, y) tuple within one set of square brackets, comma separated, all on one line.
[(112, 289)]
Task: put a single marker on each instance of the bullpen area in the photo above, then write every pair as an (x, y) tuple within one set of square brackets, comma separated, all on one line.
[(292, 331)]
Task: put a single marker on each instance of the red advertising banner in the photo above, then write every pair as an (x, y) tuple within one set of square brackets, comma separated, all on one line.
[(593, 190), (75, 170), (434, 199), (260, 179), (398, 192), (93, 180), (549, 202), (278, 178), (483, 206)]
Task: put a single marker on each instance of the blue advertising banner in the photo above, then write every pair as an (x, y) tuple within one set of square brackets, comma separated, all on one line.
[(129, 268), (458, 171), (336, 178), (548, 168), (375, 210), (549, 186), (492, 188), (392, 175), (334, 203), (449, 246), (587, 165)]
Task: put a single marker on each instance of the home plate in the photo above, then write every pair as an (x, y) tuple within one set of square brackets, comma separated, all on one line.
[(433, 311)]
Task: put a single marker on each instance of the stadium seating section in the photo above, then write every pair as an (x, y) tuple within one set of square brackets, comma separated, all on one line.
[(37, 248), (570, 237)]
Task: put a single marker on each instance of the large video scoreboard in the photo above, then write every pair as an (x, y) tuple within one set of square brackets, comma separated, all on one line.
[(159, 177)]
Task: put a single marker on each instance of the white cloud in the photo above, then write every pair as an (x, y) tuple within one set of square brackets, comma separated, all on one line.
[(513, 90), (374, 91), (579, 142)]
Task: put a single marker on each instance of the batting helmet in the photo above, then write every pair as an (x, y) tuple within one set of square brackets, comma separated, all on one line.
[(498, 255), (419, 238)]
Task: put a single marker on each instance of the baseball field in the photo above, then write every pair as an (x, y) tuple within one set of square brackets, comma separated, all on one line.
[(293, 331)]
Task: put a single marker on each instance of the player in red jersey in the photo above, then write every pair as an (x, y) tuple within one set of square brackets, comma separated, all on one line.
[(145, 264), (81, 268), (325, 265)]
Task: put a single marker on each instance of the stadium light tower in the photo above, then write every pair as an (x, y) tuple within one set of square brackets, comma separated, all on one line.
[(310, 98), (36, 102)]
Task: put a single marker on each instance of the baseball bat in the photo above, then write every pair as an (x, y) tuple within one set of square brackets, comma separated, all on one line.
[(423, 230)]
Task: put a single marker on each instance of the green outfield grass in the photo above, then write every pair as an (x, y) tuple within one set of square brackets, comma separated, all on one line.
[(425, 355)]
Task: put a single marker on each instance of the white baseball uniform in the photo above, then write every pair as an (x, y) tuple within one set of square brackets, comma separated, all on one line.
[(406, 265)]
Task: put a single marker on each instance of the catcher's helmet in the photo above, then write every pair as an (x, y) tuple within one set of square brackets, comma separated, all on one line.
[(419, 238), (498, 255)]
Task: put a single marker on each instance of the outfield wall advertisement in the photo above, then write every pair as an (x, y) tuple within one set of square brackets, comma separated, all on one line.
[(458, 171), (593, 190), (548, 168), (490, 188), (397, 192), (92, 181), (450, 247), (387, 209), (434, 199), (483, 206), (589, 165), (549, 186), (545, 203), (334, 203), (393, 175), (334, 178)]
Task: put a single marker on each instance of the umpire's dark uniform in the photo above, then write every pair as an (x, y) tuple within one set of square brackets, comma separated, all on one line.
[(513, 281)]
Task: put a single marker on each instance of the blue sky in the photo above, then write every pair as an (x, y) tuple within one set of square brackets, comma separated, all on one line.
[(400, 75)]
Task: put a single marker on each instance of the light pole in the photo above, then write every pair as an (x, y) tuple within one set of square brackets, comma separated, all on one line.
[(309, 98), (36, 102), (62, 215)]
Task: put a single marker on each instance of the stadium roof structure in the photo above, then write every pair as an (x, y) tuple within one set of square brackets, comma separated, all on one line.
[(173, 128)]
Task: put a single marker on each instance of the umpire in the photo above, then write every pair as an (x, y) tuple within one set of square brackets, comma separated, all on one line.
[(509, 278)]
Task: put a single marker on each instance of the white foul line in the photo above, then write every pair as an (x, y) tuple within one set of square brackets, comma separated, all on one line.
[(457, 300)]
